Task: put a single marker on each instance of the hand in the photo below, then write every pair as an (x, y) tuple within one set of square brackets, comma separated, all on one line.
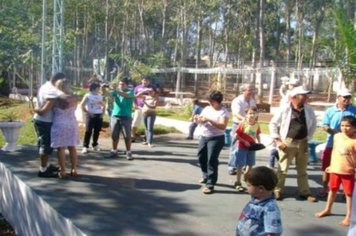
[(280, 145)]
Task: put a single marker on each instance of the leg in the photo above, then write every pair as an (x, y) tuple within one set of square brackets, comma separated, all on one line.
[(348, 183), (285, 158), (192, 128), (62, 161), (301, 164), (150, 125), (73, 159), (98, 123), (329, 203), (115, 124), (325, 162), (88, 130), (145, 122), (214, 145), (233, 149), (203, 156), (126, 123)]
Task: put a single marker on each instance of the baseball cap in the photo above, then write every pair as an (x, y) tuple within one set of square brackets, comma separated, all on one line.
[(299, 90), (344, 92)]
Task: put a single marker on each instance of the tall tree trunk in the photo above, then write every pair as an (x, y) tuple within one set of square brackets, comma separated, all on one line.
[(299, 49), (262, 48)]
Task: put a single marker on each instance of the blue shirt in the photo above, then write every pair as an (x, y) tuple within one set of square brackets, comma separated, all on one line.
[(332, 118), (260, 218), (197, 110)]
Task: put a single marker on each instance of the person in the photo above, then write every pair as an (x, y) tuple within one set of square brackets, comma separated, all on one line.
[(43, 124), (149, 115), (238, 107), (285, 90), (273, 156), (331, 125), (93, 106), (261, 216), (193, 125), (213, 121), (121, 118), (64, 130), (291, 127), (140, 91), (342, 167), (247, 133)]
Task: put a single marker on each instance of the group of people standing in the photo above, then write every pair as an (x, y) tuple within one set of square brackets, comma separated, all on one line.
[(56, 125)]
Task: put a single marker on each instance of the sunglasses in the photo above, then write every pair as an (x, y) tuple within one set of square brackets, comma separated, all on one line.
[(347, 97)]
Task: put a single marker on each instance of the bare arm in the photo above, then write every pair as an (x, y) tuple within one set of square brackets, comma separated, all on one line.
[(49, 104), (220, 124)]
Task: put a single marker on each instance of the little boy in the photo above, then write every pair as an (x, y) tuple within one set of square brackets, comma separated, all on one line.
[(261, 216), (193, 125), (342, 167)]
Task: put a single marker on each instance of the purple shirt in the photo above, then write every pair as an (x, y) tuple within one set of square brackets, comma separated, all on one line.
[(139, 88)]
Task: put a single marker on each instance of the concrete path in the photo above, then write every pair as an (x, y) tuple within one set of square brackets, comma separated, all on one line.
[(155, 194)]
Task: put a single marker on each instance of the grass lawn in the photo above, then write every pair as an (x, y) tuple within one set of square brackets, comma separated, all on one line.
[(28, 136)]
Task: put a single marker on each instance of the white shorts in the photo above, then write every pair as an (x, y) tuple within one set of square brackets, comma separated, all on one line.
[(137, 118)]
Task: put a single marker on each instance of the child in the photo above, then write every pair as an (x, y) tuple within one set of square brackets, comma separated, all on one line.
[(93, 106), (261, 216), (246, 133), (196, 111), (342, 167)]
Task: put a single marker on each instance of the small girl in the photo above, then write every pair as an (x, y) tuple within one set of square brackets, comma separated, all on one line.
[(149, 114), (247, 133), (93, 106), (342, 167)]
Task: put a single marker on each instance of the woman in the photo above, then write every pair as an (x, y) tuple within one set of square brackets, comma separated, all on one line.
[(149, 115), (213, 121), (64, 131)]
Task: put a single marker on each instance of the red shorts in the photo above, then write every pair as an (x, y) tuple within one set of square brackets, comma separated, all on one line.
[(348, 182), (325, 158)]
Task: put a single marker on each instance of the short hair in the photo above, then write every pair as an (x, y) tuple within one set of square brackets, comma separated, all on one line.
[(244, 86), (253, 108), (350, 119), (262, 176), (216, 96), (195, 101), (57, 76), (93, 86)]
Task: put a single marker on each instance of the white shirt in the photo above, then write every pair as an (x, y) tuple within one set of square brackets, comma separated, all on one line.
[(207, 129), (239, 105), (94, 103), (46, 91)]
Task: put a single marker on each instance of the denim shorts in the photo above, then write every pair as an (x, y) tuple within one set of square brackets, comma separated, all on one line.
[(245, 157), (43, 131), (120, 123)]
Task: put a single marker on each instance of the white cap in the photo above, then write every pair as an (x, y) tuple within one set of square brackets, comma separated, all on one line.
[(344, 92), (299, 90), (293, 82)]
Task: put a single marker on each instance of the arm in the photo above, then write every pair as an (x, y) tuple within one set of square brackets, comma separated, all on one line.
[(123, 94), (83, 103), (220, 124), (152, 106), (274, 126), (45, 108)]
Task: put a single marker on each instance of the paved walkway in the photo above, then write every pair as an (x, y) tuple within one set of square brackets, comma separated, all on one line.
[(155, 194)]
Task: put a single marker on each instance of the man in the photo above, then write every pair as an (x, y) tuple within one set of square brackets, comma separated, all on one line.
[(238, 107), (331, 124), (140, 90), (121, 118), (43, 124), (291, 127)]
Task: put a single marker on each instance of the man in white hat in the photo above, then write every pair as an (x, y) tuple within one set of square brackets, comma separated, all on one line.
[(331, 124), (291, 127)]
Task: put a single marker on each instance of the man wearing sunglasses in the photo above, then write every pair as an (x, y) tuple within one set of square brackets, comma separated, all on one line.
[(331, 124)]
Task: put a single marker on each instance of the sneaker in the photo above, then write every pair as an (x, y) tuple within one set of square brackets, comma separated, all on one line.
[(53, 168), (150, 145), (144, 143), (238, 187), (308, 197), (232, 172), (113, 153), (48, 174), (85, 150), (96, 148), (129, 156)]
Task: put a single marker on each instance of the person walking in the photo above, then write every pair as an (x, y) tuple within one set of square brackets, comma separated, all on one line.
[(193, 125), (342, 167), (238, 108), (149, 115), (291, 127), (213, 121), (93, 106), (331, 125), (121, 117), (43, 123)]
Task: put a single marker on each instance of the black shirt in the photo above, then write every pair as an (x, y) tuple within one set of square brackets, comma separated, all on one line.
[(298, 125)]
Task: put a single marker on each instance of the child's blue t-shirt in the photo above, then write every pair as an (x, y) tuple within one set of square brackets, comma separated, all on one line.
[(260, 218), (197, 110)]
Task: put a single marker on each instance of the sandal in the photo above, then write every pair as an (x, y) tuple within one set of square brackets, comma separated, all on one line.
[(62, 175), (239, 188), (73, 172), (207, 190), (203, 181)]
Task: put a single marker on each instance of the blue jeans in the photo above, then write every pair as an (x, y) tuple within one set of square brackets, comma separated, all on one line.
[(233, 149), (208, 154), (273, 157), (149, 121), (192, 128)]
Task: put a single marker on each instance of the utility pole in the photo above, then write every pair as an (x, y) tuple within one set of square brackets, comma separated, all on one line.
[(43, 48), (57, 36)]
